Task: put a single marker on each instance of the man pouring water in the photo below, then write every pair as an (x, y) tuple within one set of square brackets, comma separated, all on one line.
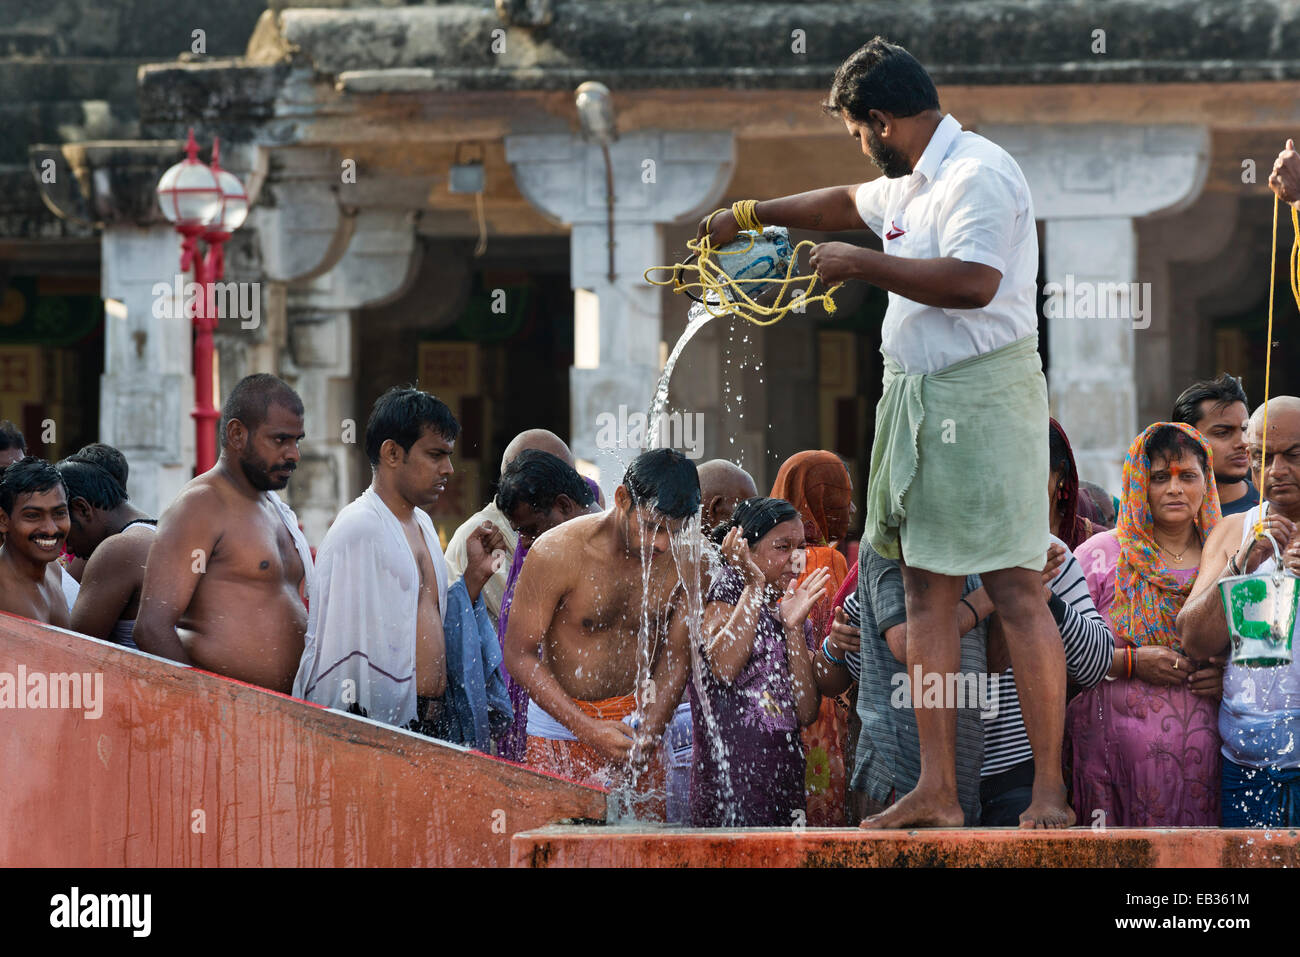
[(959, 460)]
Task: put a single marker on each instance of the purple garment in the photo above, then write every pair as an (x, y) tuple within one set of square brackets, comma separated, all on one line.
[(514, 742), (756, 723), (1145, 755)]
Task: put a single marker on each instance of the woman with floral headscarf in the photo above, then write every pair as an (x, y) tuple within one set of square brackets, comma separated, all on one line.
[(817, 484), (1145, 744)]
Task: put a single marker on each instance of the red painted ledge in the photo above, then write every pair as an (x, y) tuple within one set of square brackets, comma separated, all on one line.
[(186, 768), (618, 846)]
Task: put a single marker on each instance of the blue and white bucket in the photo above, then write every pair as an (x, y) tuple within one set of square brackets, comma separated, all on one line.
[(753, 256)]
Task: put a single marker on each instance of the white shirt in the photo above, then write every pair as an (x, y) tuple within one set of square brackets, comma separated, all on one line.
[(71, 588), (361, 627), (457, 555), (966, 199)]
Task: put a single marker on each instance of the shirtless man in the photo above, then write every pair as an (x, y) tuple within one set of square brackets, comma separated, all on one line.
[(224, 585), (1258, 715), (580, 596), (112, 537), (378, 631), (723, 486), (34, 523)]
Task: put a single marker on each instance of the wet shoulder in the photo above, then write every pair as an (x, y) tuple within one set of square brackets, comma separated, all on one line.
[(570, 540), (355, 524), (726, 587), (130, 546), (200, 501)]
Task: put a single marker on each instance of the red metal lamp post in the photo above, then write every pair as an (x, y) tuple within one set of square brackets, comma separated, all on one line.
[(206, 203)]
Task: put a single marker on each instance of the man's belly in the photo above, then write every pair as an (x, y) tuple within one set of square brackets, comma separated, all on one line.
[(256, 638)]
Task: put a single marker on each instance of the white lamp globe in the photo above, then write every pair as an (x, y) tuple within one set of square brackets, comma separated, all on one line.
[(188, 193)]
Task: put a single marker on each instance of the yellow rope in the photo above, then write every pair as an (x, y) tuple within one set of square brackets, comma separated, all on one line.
[(1294, 277), (725, 296), (746, 218)]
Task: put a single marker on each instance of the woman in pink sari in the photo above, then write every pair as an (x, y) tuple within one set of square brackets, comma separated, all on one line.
[(1145, 745)]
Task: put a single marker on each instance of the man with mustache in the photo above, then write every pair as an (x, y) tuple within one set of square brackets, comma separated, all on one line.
[(34, 523), (229, 569)]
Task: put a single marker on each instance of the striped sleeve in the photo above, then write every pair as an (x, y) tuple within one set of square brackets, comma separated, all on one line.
[(1089, 643), (853, 659)]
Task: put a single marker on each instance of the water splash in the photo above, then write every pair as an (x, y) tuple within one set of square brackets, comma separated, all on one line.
[(696, 319)]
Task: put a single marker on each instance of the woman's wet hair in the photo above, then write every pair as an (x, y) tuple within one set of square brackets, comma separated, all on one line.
[(94, 483), (666, 481), (536, 479), (755, 517), (402, 414), (1171, 444), (27, 476)]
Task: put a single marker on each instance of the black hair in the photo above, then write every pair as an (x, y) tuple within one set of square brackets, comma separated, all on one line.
[(1222, 391), (26, 476), (250, 401), (402, 414), (536, 478), (1059, 459), (106, 457), (96, 484), (755, 517), (665, 480), (11, 437), (1172, 443), (881, 76)]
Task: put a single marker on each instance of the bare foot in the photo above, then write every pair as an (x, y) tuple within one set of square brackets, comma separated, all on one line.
[(918, 809), (1048, 810)]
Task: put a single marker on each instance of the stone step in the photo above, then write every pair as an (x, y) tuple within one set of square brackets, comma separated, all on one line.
[(598, 846)]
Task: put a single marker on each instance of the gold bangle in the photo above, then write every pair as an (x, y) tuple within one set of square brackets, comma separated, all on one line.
[(743, 211)]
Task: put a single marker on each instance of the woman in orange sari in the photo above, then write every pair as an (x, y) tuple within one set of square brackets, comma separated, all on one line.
[(817, 484)]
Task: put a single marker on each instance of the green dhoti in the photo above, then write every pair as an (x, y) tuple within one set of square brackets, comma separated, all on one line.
[(959, 466)]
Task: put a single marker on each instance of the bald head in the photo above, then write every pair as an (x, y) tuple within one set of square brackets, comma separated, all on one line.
[(540, 439), (1280, 407), (1280, 474), (723, 485)]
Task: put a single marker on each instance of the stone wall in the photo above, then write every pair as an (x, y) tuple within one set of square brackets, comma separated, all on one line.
[(68, 74)]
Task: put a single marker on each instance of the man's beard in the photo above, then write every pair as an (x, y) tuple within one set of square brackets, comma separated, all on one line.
[(259, 476), (892, 163)]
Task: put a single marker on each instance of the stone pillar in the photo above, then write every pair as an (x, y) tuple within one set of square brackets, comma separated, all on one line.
[(1090, 183), (377, 263), (1180, 259), (147, 391), (659, 178)]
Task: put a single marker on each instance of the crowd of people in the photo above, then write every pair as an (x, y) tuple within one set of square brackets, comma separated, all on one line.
[(719, 657), (993, 652)]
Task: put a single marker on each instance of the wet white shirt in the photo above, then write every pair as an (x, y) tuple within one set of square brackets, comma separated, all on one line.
[(966, 199), (362, 624)]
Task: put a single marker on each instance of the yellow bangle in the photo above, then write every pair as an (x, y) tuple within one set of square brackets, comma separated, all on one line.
[(743, 211)]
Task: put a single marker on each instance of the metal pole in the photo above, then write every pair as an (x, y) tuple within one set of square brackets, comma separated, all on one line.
[(208, 269), (609, 205)]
